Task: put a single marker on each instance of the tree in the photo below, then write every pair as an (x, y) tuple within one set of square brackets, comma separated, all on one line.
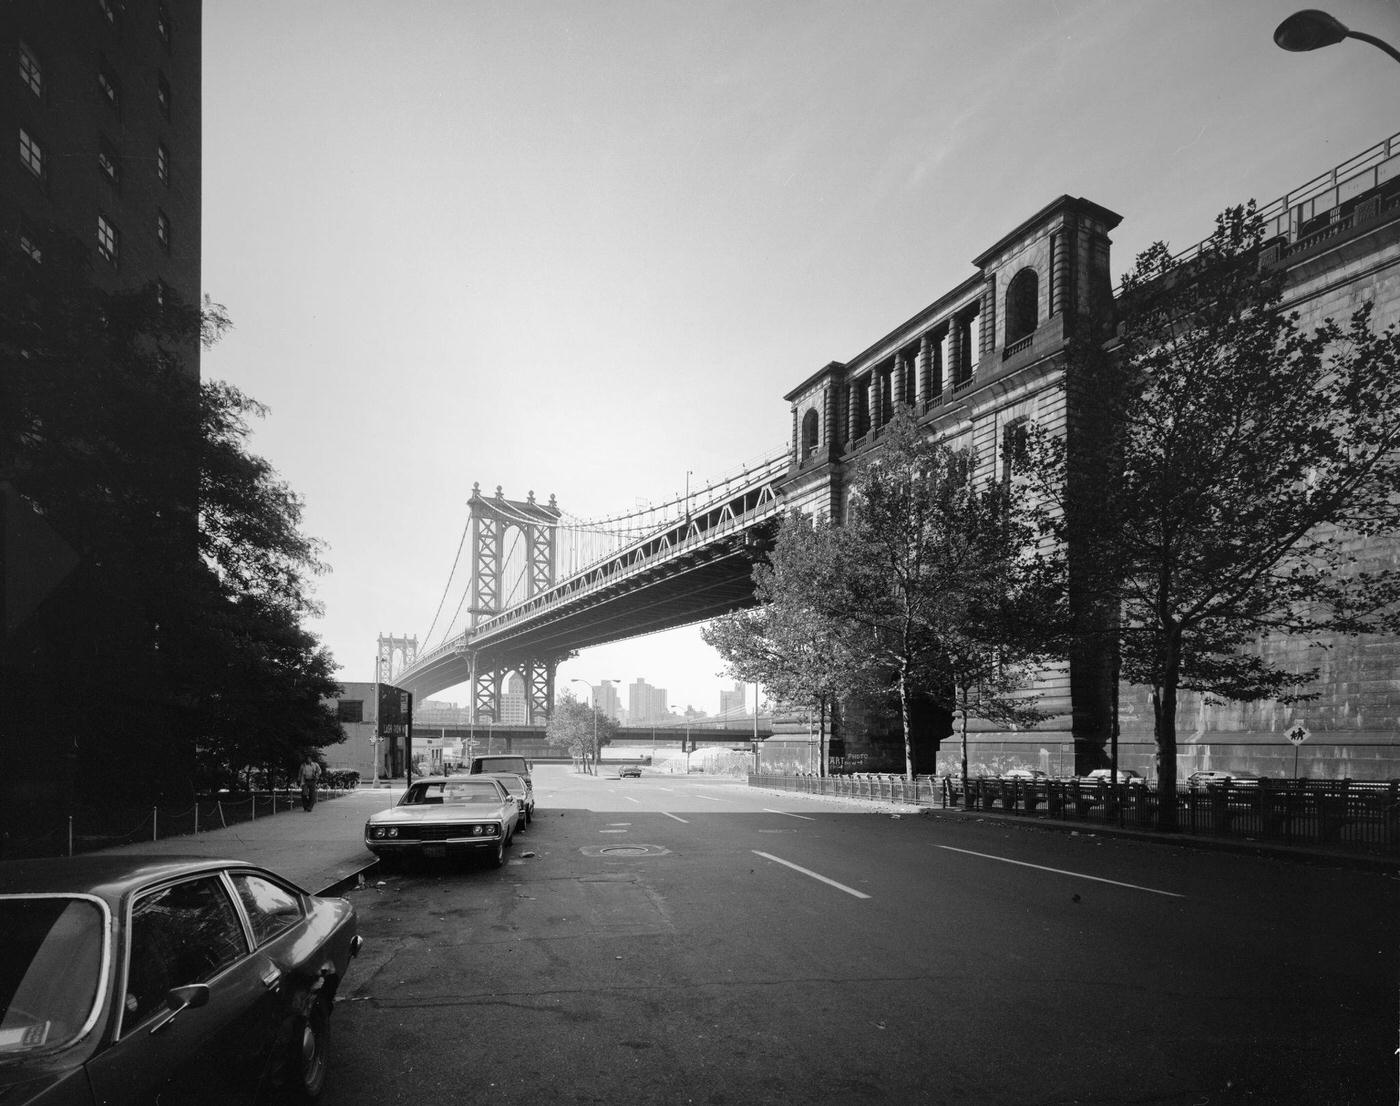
[(788, 643), (580, 728), (940, 572), (1240, 461), (191, 585)]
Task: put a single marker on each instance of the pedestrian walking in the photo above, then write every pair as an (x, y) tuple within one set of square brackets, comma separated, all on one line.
[(307, 777)]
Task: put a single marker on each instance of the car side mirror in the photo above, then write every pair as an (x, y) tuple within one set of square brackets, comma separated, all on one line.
[(181, 998)]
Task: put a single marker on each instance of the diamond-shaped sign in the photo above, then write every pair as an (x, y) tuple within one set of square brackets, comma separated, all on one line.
[(1298, 734)]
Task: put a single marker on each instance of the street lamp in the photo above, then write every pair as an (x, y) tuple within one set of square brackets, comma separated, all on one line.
[(594, 706), (1311, 29)]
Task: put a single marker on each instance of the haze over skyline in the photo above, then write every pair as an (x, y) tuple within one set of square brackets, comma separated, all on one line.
[(584, 250)]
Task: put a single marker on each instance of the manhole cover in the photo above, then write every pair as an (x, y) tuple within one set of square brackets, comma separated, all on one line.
[(625, 850)]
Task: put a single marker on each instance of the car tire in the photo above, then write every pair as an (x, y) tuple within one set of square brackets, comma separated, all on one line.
[(312, 1057), (498, 857)]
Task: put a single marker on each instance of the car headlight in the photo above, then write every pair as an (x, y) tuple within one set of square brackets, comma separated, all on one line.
[(393, 831)]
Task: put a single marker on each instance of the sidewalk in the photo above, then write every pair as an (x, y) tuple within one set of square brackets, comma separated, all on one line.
[(323, 851)]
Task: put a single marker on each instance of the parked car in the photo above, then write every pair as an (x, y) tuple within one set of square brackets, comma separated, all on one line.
[(1024, 774), (133, 979), (499, 762), (1105, 775), (630, 771), (446, 816), (524, 792), (1208, 779)]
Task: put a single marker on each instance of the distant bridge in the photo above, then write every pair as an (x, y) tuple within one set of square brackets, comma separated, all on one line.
[(694, 563)]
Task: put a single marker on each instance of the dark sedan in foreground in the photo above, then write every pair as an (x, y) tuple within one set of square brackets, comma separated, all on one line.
[(454, 816), (130, 979)]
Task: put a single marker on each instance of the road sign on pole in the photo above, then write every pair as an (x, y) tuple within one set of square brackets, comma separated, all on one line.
[(1297, 734)]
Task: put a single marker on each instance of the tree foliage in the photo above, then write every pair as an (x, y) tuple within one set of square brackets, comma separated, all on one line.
[(581, 729), (931, 588), (941, 576), (1240, 457), (789, 643), (176, 648)]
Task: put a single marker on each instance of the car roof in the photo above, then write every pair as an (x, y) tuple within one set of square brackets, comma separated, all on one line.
[(110, 876)]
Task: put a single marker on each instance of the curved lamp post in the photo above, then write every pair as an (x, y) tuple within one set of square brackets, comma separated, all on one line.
[(1311, 29)]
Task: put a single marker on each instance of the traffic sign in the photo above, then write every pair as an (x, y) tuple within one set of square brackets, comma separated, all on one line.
[(1298, 734)]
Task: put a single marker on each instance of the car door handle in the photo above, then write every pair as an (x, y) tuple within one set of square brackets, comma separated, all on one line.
[(271, 977)]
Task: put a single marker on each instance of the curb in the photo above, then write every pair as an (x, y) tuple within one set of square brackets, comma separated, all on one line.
[(348, 882), (1298, 854), (1384, 865)]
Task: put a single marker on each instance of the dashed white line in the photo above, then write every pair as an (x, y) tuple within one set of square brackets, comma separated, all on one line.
[(1063, 872), (712, 798), (670, 815), (790, 814), (632, 800), (809, 872)]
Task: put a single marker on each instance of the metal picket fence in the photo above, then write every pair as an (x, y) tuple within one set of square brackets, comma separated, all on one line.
[(1354, 815), (89, 828)]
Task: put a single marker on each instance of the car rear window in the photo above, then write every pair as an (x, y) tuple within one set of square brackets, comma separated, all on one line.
[(51, 970)]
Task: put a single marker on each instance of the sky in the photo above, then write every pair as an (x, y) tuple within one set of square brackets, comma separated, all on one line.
[(584, 248)]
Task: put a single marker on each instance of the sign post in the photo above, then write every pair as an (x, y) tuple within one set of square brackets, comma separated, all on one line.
[(1297, 735)]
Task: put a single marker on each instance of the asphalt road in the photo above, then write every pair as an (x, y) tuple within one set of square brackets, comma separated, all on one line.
[(668, 940)]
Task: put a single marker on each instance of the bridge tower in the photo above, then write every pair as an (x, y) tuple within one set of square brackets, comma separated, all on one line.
[(493, 522), (392, 656)]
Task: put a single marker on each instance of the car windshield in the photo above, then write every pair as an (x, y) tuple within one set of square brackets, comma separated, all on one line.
[(51, 973), (452, 791)]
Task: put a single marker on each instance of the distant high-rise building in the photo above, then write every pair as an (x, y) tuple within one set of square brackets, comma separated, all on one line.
[(645, 703), (733, 702), (607, 702), (513, 712)]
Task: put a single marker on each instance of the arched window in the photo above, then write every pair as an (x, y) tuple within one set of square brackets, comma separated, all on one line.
[(810, 430), (1021, 305)]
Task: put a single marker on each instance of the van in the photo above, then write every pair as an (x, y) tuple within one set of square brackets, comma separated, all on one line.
[(487, 764)]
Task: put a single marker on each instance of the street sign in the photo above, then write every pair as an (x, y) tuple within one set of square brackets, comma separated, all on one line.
[(1298, 734)]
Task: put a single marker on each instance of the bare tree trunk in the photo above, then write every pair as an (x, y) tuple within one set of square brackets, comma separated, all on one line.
[(1164, 711), (904, 720)]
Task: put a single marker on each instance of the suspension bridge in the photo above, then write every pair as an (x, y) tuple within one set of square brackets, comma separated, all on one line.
[(540, 585)]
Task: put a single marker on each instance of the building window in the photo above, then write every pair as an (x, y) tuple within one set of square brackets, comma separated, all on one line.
[(1022, 309), (351, 710), (107, 86), (30, 244), (1015, 437), (163, 23), (108, 240), (163, 94), (163, 164), (810, 432), (163, 230), (31, 154), (109, 162), (30, 71)]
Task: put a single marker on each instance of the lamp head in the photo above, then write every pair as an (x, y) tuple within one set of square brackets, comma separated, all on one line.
[(1309, 29)]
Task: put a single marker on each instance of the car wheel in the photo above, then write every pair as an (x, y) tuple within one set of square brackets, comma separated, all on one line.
[(313, 1054), (499, 856)]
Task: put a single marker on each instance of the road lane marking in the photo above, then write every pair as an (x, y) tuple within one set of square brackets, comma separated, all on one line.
[(612, 831), (770, 810), (632, 800), (670, 815), (1063, 872), (809, 872), (712, 798)]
